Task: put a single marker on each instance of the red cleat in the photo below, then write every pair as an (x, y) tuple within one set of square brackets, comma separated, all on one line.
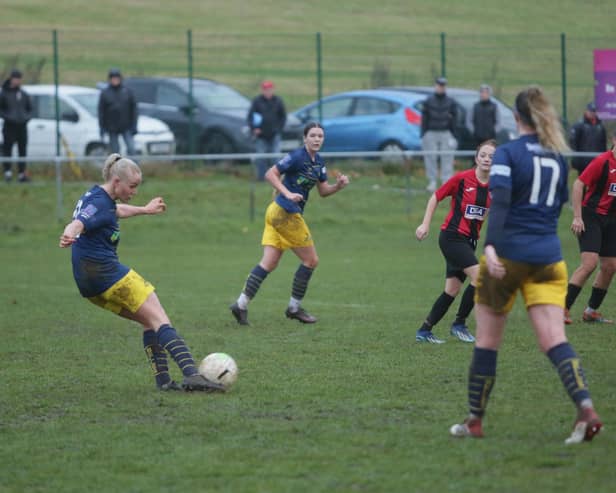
[(587, 425), (471, 427)]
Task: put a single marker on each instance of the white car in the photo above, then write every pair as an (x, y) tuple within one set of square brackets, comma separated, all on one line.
[(79, 125)]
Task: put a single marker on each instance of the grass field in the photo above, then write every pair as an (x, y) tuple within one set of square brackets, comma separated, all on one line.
[(350, 404)]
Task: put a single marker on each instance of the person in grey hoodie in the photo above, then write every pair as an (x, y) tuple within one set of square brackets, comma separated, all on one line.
[(16, 111)]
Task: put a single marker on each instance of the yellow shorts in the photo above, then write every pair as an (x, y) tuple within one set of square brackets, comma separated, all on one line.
[(539, 284), (129, 293), (284, 230)]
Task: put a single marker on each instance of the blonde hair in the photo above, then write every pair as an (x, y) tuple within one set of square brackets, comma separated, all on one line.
[(536, 111), (116, 165)]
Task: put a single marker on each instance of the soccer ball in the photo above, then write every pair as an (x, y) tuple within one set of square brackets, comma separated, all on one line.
[(219, 368)]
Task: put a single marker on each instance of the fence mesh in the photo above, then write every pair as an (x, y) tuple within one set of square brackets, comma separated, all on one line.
[(348, 61)]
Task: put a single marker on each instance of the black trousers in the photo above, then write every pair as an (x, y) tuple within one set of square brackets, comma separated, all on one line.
[(15, 133)]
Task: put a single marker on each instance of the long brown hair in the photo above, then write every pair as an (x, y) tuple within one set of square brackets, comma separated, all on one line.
[(535, 110)]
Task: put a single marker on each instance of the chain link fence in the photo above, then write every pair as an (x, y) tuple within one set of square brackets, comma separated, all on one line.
[(562, 64)]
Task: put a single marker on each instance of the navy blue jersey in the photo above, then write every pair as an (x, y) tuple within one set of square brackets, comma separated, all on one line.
[(537, 179), (95, 262), (300, 174)]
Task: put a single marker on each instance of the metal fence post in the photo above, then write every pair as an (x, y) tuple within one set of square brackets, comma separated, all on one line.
[(56, 78), (443, 56), (191, 104), (563, 63), (319, 77)]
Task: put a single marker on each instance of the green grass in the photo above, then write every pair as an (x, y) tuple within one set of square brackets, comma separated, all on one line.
[(350, 404), (364, 44)]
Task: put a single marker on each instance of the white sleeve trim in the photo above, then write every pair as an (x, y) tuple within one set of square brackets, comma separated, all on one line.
[(500, 170)]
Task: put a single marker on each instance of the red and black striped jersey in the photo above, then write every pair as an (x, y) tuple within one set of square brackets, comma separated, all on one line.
[(470, 202), (600, 180)]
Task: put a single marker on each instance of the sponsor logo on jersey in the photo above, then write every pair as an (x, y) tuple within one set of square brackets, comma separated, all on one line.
[(475, 212), (470, 189), (115, 237), (612, 190), (284, 160), (89, 211)]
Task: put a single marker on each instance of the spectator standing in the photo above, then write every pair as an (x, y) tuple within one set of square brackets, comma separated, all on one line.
[(485, 117), (117, 113), (587, 135), (266, 118), (16, 111), (438, 133)]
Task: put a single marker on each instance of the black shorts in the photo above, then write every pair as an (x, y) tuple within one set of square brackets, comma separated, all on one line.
[(599, 234), (459, 253)]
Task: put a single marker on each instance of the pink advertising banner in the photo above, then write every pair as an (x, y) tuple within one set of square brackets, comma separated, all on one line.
[(605, 83)]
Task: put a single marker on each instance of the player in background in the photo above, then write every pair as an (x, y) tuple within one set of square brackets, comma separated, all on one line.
[(528, 183), (93, 235), (594, 223), (293, 177), (470, 202)]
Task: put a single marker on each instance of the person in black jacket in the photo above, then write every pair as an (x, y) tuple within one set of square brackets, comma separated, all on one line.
[(587, 135), (266, 118), (15, 110), (438, 121), (117, 113), (485, 117)]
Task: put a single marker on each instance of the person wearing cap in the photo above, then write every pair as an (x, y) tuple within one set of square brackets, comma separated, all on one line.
[(587, 135), (485, 117), (117, 113), (16, 111), (266, 119), (438, 121)]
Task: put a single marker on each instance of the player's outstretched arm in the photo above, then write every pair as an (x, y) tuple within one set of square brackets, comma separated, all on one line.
[(70, 233), (326, 189), (155, 206)]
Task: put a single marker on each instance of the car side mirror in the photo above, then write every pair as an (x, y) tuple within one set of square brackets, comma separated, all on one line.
[(70, 116), (186, 109)]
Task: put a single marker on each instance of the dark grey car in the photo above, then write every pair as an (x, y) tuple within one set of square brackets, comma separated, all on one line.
[(465, 99), (219, 115)]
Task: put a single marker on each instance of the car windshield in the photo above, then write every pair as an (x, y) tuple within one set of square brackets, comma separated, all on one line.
[(217, 96), (89, 101)]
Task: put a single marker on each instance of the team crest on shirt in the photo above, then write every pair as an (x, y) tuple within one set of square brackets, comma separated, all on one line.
[(612, 190), (115, 237), (475, 212)]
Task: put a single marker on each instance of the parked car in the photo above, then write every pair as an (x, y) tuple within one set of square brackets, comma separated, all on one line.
[(219, 116), (368, 120), (465, 99), (79, 125)]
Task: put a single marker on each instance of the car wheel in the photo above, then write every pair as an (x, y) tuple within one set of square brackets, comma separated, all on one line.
[(217, 143), (395, 149), (99, 151)]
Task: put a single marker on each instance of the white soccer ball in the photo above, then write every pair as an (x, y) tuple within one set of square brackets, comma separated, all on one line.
[(219, 368)]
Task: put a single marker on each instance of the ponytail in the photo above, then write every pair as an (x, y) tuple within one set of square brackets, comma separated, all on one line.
[(535, 111)]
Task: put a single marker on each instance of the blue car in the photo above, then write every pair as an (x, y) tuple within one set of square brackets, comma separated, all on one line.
[(369, 120)]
